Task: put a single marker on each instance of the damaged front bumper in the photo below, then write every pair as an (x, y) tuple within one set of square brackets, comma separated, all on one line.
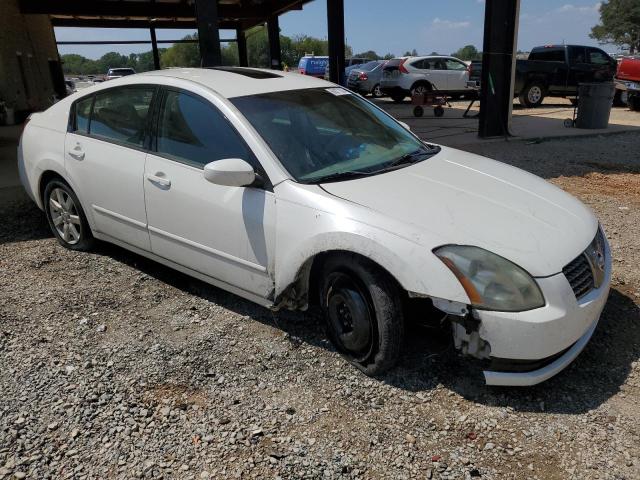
[(527, 348)]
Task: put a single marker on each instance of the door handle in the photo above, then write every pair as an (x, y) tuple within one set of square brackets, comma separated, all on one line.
[(159, 180), (77, 152)]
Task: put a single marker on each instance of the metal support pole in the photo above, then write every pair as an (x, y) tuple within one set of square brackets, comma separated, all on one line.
[(241, 39), (273, 31), (208, 34), (154, 48), (498, 67), (335, 26)]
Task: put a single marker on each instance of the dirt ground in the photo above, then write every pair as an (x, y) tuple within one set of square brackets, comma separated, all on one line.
[(112, 366)]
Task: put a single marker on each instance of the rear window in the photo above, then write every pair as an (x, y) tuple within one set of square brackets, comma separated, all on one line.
[(548, 55), (367, 67), (393, 63)]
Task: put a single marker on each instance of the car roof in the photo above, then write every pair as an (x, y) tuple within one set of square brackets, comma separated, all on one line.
[(232, 82)]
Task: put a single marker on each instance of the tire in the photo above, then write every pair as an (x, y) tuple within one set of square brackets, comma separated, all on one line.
[(532, 95), (398, 98), (66, 217), (620, 99), (634, 102), (363, 311), (376, 92), (421, 88)]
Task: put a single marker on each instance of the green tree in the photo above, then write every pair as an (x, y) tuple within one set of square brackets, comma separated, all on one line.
[(468, 52), (388, 56), (182, 54), (368, 54), (619, 24), (412, 53), (72, 63)]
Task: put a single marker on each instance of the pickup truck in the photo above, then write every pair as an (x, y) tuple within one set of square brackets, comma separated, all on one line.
[(628, 82), (556, 71)]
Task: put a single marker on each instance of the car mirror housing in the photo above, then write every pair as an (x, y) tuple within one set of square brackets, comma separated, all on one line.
[(230, 172)]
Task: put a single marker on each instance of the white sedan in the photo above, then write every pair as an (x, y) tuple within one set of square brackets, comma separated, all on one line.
[(289, 191)]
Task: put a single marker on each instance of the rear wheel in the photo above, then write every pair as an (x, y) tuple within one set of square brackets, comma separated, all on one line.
[(376, 92), (66, 217), (634, 102), (532, 95), (363, 311)]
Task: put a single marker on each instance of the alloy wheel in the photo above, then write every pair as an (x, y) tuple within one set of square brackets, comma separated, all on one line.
[(64, 215), (534, 95)]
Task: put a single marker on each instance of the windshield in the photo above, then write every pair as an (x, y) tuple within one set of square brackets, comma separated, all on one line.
[(329, 134), (121, 71)]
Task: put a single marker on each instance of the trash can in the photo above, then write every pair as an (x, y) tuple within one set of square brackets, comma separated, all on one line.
[(594, 104)]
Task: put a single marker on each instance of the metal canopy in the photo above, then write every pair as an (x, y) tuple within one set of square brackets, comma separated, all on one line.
[(232, 14)]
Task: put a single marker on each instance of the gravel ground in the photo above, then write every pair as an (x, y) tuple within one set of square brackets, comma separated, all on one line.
[(112, 366)]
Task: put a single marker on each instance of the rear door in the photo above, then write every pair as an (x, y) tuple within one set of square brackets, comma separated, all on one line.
[(105, 157), (223, 232)]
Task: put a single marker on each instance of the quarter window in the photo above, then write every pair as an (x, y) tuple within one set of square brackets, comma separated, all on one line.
[(195, 132), (83, 111), (121, 114)]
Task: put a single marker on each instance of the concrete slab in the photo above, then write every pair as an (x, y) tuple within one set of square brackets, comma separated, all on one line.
[(527, 124)]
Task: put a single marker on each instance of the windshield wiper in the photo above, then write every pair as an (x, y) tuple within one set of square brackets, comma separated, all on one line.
[(348, 175), (410, 158)]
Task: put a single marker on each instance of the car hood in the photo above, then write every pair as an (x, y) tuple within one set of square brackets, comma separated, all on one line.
[(460, 198)]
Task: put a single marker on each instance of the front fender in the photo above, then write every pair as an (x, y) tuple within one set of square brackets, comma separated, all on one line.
[(324, 223)]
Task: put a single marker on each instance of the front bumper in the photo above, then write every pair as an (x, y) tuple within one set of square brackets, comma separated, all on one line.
[(564, 325)]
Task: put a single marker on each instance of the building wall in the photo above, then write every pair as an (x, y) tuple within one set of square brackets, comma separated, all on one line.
[(26, 40)]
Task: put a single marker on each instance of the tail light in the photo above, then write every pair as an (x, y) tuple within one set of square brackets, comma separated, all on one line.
[(401, 66), (363, 76)]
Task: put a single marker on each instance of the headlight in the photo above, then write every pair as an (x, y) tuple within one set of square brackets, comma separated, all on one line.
[(491, 282)]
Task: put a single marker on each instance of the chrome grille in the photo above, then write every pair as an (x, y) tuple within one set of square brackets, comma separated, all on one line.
[(580, 276)]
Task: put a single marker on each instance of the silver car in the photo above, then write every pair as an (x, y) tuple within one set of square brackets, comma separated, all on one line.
[(406, 76), (366, 78)]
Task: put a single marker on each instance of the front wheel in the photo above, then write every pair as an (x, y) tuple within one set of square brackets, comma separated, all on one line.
[(363, 312), (376, 92), (66, 217), (532, 95)]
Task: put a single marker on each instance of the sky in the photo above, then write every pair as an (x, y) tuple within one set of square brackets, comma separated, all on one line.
[(426, 25)]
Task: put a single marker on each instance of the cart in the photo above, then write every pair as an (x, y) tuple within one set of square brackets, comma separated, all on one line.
[(429, 99)]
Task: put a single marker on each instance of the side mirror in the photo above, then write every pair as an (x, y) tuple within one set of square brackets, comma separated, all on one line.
[(405, 125), (231, 172)]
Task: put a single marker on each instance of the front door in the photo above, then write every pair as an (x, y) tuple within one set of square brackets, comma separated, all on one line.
[(104, 156), (223, 232), (457, 75)]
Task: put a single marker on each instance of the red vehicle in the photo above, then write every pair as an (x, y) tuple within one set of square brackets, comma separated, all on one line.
[(628, 82)]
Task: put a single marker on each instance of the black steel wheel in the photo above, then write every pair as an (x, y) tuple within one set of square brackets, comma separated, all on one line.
[(363, 312)]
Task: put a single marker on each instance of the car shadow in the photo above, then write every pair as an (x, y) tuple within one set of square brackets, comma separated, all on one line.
[(22, 220), (429, 361)]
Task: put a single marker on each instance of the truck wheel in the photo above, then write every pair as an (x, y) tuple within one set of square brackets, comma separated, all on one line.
[(621, 98), (363, 310), (532, 95), (634, 102)]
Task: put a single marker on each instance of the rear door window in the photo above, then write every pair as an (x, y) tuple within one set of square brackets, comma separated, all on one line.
[(120, 115), (577, 55)]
